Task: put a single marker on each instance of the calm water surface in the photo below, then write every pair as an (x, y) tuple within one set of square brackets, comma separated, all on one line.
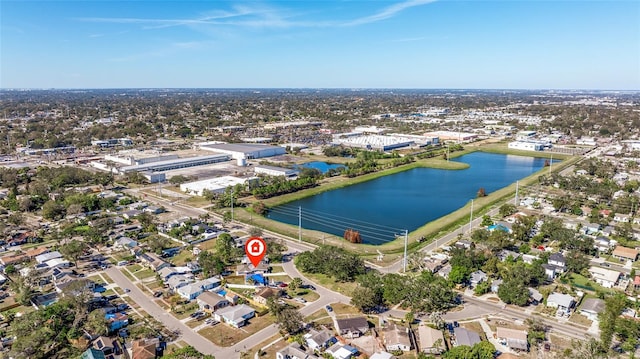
[(386, 206)]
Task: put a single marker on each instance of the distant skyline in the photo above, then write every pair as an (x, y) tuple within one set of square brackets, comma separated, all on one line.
[(320, 44)]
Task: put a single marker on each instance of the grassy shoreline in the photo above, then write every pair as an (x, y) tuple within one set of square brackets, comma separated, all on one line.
[(430, 230)]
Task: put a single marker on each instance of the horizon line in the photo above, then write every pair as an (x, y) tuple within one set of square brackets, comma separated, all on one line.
[(312, 88)]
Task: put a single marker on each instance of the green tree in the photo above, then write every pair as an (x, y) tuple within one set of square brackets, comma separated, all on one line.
[(295, 283), (366, 299), (459, 274), (53, 210), (73, 250), (486, 221), (507, 209), (614, 305), (211, 264), (225, 248), (187, 352)]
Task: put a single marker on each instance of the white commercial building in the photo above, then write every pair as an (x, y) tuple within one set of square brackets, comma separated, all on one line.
[(244, 150), (373, 142), (275, 171), (174, 164), (217, 185), (458, 137), (526, 146)]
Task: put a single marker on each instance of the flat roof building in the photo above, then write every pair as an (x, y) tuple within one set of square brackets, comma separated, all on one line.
[(275, 171), (456, 136), (373, 142), (244, 150), (174, 164), (217, 185)]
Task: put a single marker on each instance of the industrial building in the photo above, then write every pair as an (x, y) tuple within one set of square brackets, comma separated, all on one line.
[(246, 151), (175, 164), (458, 137), (529, 145), (112, 142), (130, 160), (275, 171), (216, 185), (373, 142)]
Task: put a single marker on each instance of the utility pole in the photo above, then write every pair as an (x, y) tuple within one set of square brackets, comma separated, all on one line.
[(471, 216), (232, 205), (299, 224), (550, 164), (404, 261), (516, 200)]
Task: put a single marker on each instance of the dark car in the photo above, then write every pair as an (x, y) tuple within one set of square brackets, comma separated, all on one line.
[(157, 294), (329, 309)]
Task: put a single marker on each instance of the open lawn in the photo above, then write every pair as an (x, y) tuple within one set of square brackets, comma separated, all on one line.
[(106, 278), (128, 275), (145, 273), (476, 327), (134, 268), (308, 294), (224, 335), (206, 245), (345, 288), (345, 310), (320, 317), (182, 258), (580, 320), (270, 352)]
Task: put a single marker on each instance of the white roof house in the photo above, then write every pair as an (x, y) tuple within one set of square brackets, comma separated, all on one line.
[(235, 316), (561, 301), (605, 277), (48, 256)]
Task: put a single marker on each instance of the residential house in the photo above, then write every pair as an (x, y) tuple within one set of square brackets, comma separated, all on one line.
[(590, 228), (193, 290), (444, 271), (603, 245), (465, 337), (340, 351), (92, 353), (244, 269), (116, 321), (131, 213), (70, 280), (549, 270), (505, 254), (153, 260), (463, 243), (529, 259), (47, 256), (607, 231), (433, 265), (210, 302), (625, 254), (591, 307), (125, 243), (557, 260), (32, 253), (106, 345), (636, 282), (150, 348), (477, 277), (178, 281), (263, 295), (514, 339), (167, 272), (58, 263), (319, 339), (153, 210), (294, 351), (534, 296), (431, 341), (235, 316), (563, 302), (396, 338), (382, 355), (621, 218), (352, 327), (605, 277)]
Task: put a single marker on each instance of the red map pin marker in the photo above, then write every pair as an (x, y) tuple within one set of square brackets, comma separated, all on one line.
[(255, 248)]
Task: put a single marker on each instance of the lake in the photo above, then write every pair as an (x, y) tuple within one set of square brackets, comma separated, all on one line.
[(321, 166), (384, 207)]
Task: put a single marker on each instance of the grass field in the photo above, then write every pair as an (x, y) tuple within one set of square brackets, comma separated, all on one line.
[(225, 335), (345, 288)]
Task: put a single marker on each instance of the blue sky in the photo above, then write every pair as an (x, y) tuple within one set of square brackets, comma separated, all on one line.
[(328, 44)]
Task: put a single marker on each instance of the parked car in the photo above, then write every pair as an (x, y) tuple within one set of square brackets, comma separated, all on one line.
[(157, 294), (300, 299), (329, 309)]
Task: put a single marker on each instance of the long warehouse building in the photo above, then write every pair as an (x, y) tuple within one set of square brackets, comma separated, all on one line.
[(175, 164), (244, 150)]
